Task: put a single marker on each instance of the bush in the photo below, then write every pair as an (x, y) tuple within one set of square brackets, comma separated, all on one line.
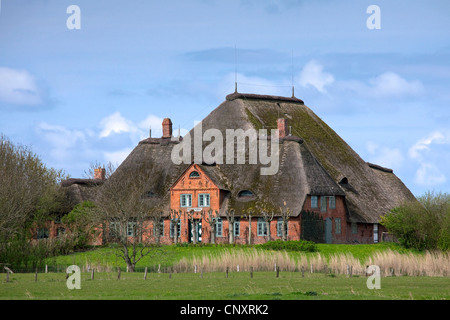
[(422, 224), (291, 245)]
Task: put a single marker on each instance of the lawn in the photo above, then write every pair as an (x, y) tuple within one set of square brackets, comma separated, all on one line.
[(216, 286)]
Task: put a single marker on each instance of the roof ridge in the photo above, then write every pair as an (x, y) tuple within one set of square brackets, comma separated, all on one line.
[(237, 95)]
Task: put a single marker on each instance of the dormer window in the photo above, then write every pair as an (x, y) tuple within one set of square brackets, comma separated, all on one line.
[(246, 195), (194, 174)]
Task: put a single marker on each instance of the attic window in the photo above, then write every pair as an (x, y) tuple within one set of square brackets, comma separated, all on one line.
[(246, 194), (194, 174), (344, 180)]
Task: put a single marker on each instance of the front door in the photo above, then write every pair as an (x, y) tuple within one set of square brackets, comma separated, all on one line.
[(198, 223), (328, 226)]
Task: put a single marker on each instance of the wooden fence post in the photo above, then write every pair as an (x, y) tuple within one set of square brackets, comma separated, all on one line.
[(145, 274), (227, 272), (303, 272), (92, 274), (118, 273), (251, 272), (278, 272), (35, 276)]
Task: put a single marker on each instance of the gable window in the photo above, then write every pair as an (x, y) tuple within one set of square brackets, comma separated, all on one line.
[(186, 200), (262, 227), (43, 233), (194, 174), (203, 200), (337, 226), (332, 202), (219, 227), (314, 202), (237, 227), (323, 204)]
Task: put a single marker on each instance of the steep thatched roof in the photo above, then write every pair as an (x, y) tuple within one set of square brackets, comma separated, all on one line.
[(314, 160)]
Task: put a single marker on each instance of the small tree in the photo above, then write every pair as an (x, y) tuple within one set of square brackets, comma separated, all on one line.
[(230, 218), (123, 207), (194, 225), (80, 224), (211, 218), (174, 217), (285, 215)]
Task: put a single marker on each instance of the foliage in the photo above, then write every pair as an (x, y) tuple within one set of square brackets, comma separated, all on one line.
[(291, 245), (422, 224), (79, 222)]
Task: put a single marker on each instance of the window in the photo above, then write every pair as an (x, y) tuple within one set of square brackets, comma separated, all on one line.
[(323, 204), (219, 227), (262, 227), (337, 226), (237, 227), (354, 228), (246, 193), (172, 229), (314, 201), (131, 229), (194, 174), (186, 200), (375, 233), (280, 227), (332, 202), (113, 229), (43, 233), (161, 228), (203, 200)]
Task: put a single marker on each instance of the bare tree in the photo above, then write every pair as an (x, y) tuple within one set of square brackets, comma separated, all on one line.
[(248, 214), (174, 217), (109, 168), (267, 213), (230, 217), (285, 215), (156, 216), (122, 206), (211, 218)]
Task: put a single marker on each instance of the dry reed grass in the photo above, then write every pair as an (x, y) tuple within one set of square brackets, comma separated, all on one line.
[(390, 262)]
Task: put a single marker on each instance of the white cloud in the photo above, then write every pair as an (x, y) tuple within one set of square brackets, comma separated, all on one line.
[(313, 75), (116, 123), (429, 175), (423, 144), (391, 84), (18, 87)]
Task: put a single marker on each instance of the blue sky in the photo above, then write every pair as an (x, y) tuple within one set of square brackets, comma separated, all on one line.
[(79, 96)]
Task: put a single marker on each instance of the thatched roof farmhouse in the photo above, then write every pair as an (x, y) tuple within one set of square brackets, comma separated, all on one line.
[(328, 191)]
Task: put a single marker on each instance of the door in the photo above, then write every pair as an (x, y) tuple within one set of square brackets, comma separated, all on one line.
[(328, 225), (198, 223)]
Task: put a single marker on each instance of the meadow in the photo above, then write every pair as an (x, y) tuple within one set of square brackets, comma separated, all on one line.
[(334, 272)]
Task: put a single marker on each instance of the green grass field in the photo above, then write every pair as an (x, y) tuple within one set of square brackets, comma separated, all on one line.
[(238, 286), (214, 285)]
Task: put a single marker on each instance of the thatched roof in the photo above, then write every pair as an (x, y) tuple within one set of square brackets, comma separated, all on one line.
[(314, 160)]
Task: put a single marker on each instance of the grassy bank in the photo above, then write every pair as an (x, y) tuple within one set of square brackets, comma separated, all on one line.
[(238, 286)]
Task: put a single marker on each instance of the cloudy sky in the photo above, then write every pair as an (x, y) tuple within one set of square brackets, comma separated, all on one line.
[(79, 96)]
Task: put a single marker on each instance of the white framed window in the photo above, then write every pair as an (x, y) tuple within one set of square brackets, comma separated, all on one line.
[(280, 227), (262, 227), (375, 233), (337, 226), (237, 227), (314, 202), (186, 200), (203, 200), (332, 202), (219, 227), (131, 229)]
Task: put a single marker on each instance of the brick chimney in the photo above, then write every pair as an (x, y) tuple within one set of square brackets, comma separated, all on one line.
[(167, 128), (99, 173), (282, 125)]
